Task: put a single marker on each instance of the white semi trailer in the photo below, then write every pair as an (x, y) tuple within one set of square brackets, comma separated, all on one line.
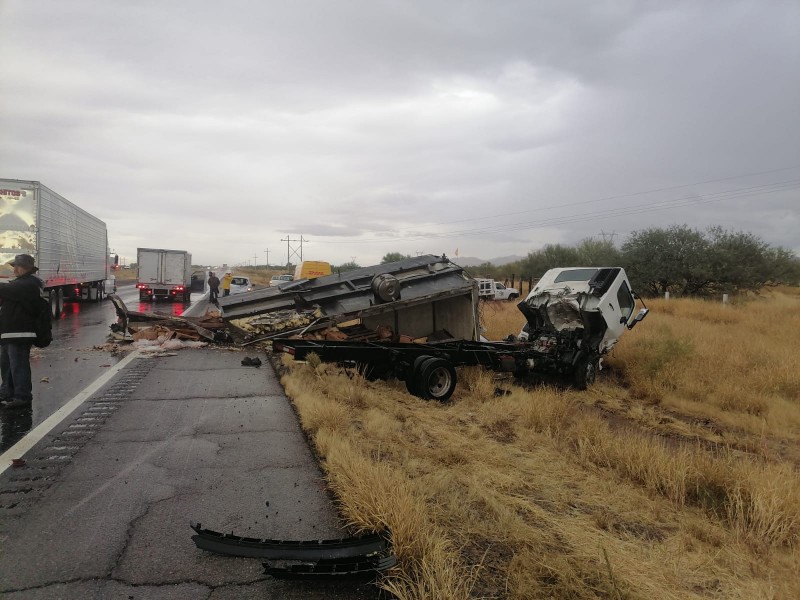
[(69, 245)]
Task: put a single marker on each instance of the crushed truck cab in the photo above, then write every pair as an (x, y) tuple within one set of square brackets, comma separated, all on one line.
[(575, 315)]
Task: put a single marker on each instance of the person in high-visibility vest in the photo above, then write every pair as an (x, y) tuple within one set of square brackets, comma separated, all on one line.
[(226, 284)]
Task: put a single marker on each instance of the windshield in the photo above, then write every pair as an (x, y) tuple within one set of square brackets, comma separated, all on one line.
[(575, 275), (239, 281)]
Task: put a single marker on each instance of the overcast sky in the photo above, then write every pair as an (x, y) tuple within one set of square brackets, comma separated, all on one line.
[(367, 127)]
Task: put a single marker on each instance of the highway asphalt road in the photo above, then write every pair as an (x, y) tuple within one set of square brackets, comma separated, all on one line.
[(71, 362), (99, 507)]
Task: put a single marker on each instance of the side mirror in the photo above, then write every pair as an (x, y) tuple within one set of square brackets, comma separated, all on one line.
[(639, 317)]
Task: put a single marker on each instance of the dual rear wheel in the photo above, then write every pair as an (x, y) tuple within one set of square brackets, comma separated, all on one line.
[(431, 378)]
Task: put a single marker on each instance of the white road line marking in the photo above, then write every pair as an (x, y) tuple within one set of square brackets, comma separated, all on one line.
[(46, 426)]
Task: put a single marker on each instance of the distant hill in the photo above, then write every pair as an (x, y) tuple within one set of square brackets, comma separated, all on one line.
[(471, 261)]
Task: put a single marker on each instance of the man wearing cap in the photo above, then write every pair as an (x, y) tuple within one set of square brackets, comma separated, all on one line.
[(18, 312)]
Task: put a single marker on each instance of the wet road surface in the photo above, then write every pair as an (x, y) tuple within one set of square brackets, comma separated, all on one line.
[(71, 362)]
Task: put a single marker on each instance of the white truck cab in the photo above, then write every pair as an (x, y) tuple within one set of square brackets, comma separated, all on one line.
[(577, 314)]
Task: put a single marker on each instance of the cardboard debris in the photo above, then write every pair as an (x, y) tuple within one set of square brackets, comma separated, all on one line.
[(274, 322), (166, 331)]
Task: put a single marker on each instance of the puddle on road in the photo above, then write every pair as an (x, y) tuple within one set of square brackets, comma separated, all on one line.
[(14, 424)]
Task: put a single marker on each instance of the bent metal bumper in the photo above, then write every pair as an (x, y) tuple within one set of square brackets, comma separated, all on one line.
[(315, 550)]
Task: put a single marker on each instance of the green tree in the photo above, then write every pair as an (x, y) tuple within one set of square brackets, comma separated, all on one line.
[(597, 253), (742, 261), (348, 266), (549, 257), (674, 260), (738, 261), (394, 257), (487, 269), (785, 266)]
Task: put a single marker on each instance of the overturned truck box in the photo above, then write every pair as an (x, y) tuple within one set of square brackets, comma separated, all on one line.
[(417, 298)]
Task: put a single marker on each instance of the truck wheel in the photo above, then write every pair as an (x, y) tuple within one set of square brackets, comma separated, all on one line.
[(512, 297), (412, 376), (56, 303), (53, 297), (437, 380), (585, 372)]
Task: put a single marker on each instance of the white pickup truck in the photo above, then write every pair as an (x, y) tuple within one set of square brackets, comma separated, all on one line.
[(490, 289)]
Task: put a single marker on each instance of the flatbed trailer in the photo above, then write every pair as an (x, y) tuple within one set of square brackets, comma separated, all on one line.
[(429, 368)]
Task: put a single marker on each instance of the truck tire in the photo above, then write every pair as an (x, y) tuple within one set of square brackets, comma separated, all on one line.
[(585, 372), (413, 374), (512, 297), (56, 303), (437, 380)]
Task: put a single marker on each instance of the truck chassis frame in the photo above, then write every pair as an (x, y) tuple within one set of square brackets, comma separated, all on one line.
[(429, 369)]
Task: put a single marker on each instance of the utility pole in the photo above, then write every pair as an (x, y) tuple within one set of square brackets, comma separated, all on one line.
[(293, 250), (608, 237), (255, 261), (267, 251)]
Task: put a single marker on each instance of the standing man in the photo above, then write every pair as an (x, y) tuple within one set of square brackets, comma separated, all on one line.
[(18, 313), (213, 288), (226, 284)]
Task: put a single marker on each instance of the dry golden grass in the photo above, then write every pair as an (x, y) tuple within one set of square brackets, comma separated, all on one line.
[(675, 477)]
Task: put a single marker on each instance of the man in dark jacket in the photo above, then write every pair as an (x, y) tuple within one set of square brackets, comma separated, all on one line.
[(18, 313), (213, 288)]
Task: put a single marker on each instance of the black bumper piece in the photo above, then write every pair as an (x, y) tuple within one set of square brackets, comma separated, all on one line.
[(363, 567), (355, 548)]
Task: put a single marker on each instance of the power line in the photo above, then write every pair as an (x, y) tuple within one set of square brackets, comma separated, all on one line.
[(633, 209), (616, 197)]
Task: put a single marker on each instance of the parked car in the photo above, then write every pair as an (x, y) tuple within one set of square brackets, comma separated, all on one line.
[(241, 284), (279, 279)]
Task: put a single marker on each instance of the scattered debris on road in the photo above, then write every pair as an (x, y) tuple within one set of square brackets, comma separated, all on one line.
[(158, 332)]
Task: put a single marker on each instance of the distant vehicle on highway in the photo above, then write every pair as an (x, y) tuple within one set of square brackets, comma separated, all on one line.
[(241, 284), (279, 279), (165, 274), (311, 269)]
